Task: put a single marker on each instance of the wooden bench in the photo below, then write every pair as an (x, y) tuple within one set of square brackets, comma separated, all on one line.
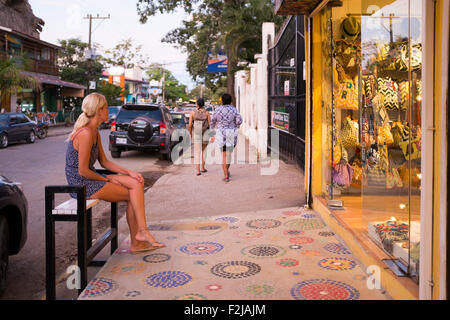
[(78, 210)]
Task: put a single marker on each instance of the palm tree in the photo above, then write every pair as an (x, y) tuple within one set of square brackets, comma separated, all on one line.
[(12, 78)]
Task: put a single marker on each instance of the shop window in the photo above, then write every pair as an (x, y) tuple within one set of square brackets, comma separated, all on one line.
[(371, 93)]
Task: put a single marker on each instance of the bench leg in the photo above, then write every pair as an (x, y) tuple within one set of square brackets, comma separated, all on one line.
[(82, 250), (89, 228), (114, 225), (50, 269)]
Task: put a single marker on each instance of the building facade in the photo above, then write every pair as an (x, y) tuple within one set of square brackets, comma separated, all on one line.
[(41, 64), (376, 133)]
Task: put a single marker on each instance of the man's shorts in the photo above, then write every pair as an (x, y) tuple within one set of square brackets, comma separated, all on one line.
[(229, 148)]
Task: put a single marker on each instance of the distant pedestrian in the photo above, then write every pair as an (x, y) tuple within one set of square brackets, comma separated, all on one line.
[(228, 119), (84, 149), (199, 123), (19, 106)]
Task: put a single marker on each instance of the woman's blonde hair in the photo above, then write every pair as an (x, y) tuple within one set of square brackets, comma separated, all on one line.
[(91, 103)]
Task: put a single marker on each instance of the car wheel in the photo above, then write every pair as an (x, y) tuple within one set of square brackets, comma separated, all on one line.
[(167, 156), (4, 252), (31, 137), (116, 154), (4, 141)]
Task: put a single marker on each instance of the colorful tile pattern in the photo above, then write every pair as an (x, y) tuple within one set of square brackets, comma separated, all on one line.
[(323, 289), (277, 254), (235, 269), (337, 264), (263, 251), (200, 248), (168, 279), (263, 224)]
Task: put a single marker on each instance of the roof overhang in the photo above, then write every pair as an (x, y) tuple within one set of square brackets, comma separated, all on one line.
[(69, 89), (301, 7)]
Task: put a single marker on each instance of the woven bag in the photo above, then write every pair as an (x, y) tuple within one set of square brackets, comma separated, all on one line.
[(389, 90), (412, 151), (349, 134), (416, 56), (404, 94), (376, 177), (346, 96)]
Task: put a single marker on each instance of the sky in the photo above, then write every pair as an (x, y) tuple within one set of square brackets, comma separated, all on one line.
[(65, 19)]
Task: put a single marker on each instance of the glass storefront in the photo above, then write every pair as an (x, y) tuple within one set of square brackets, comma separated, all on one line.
[(371, 64)]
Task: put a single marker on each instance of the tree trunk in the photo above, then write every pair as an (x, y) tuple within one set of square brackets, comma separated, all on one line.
[(230, 76)]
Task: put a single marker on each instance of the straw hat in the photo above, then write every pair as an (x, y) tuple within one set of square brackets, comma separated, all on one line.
[(350, 28)]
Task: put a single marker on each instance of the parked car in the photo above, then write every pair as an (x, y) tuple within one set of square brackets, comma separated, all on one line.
[(16, 127), (112, 114), (179, 119), (13, 224), (142, 127)]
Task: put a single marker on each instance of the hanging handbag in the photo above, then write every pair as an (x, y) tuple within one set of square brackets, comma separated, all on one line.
[(349, 133), (411, 151), (393, 179), (376, 177), (357, 174), (404, 94), (346, 96), (416, 56), (385, 135), (337, 154), (342, 175), (383, 161), (389, 90)]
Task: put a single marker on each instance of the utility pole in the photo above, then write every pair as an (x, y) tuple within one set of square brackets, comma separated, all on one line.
[(90, 17)]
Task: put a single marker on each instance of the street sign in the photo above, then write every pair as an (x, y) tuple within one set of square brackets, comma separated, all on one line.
[(217, 62), (280, 120), (286, 87)]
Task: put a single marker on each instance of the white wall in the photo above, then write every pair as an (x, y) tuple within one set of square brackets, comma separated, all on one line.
[(252, 95)]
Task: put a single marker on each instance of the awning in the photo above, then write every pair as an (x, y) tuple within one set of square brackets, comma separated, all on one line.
[(68, 89), (54, 80), (297, 7)]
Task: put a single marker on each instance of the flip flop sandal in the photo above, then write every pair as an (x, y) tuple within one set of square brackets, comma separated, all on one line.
[(204, 170), (146, 249), (199, 174)]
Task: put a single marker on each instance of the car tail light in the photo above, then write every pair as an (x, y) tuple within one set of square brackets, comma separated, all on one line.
[(113, 125), (162, 128)]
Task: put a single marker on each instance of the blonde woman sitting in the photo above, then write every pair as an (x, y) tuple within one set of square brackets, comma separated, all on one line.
[(84, 149)]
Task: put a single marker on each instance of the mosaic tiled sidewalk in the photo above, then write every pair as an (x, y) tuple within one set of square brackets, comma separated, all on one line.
[(277, 254)]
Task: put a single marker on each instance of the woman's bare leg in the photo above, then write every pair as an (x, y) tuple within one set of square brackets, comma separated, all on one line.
[(197, 150), (132, 191), (224, 164), (132, 224), (204, 156)]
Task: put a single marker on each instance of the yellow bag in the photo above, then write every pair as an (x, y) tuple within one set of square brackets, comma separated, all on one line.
[(349, 134), (337, 153), (346, 96)]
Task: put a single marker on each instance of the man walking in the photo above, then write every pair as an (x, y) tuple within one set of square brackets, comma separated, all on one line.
[(228, 119)]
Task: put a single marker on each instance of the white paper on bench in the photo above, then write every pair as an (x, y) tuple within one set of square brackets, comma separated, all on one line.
[(70, 206)]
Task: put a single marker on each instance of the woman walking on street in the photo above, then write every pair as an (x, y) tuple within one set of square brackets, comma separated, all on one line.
[(199, 120), (84, 149), (228, 119)]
